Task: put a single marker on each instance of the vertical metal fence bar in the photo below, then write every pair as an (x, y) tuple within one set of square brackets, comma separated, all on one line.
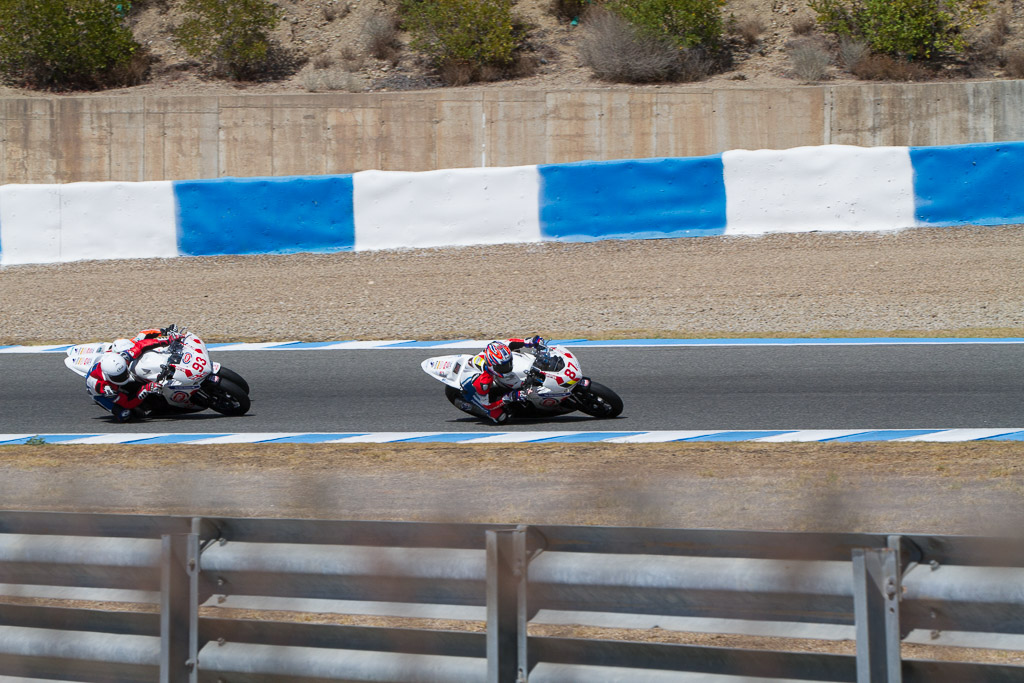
[(506, 606), (876, 595), (179, 608)]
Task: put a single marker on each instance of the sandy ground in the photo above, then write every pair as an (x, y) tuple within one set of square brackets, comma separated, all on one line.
[(925, 281)]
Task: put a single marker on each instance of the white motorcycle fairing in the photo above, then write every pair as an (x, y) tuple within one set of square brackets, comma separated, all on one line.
[(180, 369), (552, 396)]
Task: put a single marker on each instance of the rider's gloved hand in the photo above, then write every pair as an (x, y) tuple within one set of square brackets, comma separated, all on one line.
[(514, 397), (109, 392), (537, 342), (147, 389)]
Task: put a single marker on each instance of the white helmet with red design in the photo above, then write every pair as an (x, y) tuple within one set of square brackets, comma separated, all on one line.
[(114, 368)]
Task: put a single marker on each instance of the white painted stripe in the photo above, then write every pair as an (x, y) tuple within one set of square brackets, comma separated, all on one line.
[(383, 437), (451, 207), (347, 345), (54, 223), (662, 436), (829, 188), (518, 437), (811, 435), (250, 346), (113, 438), (29, 224), (949, 435), (118, 220), (34, 349), (251, 437)]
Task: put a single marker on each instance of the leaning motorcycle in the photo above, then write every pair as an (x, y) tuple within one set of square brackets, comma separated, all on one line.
[(189, 380), (551, 377)]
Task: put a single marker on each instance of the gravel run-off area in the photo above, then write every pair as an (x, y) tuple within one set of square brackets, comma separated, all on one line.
[(922, 282)]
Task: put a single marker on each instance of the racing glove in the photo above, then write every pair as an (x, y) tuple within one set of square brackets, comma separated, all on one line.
[(147, 389), (514, 397), (537, 342), (109, 392)]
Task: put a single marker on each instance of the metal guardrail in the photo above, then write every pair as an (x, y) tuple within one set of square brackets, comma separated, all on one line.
[(883, 585)]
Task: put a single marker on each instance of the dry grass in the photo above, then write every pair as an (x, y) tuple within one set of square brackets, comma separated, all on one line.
[(810, 60)]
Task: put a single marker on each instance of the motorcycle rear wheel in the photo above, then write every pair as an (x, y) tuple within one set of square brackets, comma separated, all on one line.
[(599, 401), (227, 398)]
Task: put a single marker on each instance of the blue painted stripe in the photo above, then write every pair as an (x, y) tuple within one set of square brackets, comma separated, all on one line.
[(177, 438), (450, 437), (884, 435), (981, 184), (313, 438), (307, 345), (265, 215), (737, 435), (634, 199), (47, 438), (1012, 436), (586, 437)]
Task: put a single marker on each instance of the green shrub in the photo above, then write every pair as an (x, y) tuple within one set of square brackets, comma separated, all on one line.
[(912, 29), (685, 23), (68, 44), (231, 35), (468, 38)]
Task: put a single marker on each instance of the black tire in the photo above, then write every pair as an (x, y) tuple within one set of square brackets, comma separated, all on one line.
[(599, 401), (232, 376), (452, 394), (227, 398)]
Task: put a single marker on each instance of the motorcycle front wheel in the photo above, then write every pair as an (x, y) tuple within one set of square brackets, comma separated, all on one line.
[(227, 398), (597, 400), (232, 376)]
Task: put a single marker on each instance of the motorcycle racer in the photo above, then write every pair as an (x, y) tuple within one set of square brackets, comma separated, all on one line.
[(111, 382), (490, 393)]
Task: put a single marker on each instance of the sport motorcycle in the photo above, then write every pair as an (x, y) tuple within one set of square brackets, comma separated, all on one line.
[(551, 377), (189, 380)]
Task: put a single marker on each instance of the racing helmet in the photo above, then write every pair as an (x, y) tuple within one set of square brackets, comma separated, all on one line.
[(498, 358), (120, 345), (114, 368)]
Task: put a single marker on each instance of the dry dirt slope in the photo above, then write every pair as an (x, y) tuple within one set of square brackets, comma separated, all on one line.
[(331, 36)]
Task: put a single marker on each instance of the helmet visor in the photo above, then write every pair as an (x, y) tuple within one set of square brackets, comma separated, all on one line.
[(119, 378), (503, 368)]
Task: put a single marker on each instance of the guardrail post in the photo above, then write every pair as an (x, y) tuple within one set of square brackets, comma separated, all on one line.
[(506, 606), (876, 598), (179, 608)]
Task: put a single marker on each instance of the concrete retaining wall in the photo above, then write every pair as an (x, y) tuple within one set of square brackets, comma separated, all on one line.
[(71, 139), (828, 188)]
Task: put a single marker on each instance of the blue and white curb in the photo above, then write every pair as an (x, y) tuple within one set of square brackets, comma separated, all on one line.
[(738, 192), (477, 344), (753, 436)]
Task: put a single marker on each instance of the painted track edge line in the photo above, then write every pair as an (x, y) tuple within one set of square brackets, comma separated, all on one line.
[(617, 437), (407, 344)]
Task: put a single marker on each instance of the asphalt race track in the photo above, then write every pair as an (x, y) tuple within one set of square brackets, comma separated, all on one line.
[(748, 387)]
